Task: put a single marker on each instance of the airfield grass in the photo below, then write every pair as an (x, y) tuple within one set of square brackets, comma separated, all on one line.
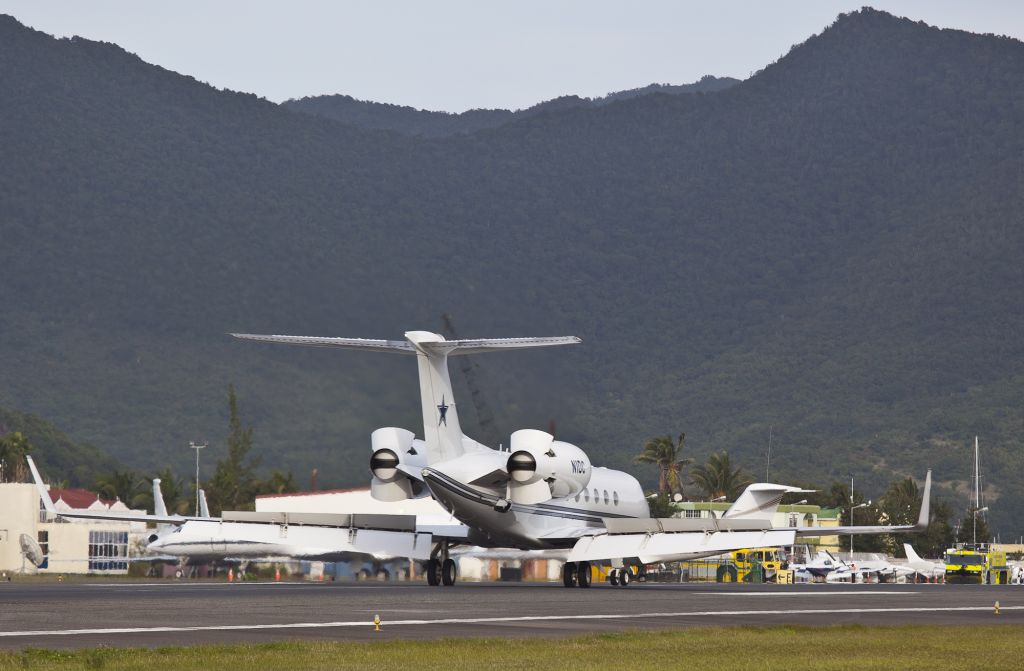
[(778, 647)]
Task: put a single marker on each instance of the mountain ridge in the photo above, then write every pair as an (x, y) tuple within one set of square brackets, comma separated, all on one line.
[(795, 252)]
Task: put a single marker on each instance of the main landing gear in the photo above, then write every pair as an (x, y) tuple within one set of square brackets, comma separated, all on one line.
[(578, 574), (441, 569)]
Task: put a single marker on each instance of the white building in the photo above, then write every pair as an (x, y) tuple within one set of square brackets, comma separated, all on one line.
[(80, 546)]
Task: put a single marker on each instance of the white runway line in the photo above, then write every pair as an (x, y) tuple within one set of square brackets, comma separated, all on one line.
[(198, 584), (843, 593), (489, 620)]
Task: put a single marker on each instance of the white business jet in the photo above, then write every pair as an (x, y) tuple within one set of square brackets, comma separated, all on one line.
[(544, 494)]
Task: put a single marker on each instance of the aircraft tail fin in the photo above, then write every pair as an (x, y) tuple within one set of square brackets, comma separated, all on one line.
[(44, 495), (159, 507), (760, 500), (204, 509), (911, 554), (442, 431)]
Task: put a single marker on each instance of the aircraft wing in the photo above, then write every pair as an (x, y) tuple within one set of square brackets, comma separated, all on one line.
[(312, 536), (920, 525), (674, 546), (44, 496)]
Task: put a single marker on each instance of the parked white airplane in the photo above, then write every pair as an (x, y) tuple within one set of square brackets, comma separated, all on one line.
[(542, 494), (925, 567)]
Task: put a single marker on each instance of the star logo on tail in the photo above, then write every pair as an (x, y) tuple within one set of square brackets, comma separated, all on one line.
[(443, 409)]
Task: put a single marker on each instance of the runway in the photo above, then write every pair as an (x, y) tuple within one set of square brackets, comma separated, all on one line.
[(73, 615)]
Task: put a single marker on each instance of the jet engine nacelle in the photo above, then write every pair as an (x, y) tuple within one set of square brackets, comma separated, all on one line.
[(395, 464), (541, 468)]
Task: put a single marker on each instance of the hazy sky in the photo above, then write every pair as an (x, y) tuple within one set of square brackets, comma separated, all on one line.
[(456, 55)]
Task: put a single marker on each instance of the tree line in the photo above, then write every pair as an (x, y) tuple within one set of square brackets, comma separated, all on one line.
[(718, 478), (235, 483)]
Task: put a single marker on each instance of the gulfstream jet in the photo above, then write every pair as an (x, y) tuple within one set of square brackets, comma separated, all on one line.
[(544, 494)]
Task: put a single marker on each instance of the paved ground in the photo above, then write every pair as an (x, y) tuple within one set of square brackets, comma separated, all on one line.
[(182, 613)]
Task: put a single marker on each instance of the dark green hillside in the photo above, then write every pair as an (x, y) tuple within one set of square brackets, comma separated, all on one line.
[(58, 457), (831, 248), (425, 123)]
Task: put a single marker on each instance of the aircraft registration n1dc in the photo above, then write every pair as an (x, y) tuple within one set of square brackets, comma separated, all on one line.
[(543, 495)]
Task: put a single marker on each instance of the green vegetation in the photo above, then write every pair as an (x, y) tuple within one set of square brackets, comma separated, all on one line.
[(423, 123), (666, 454), (831, 247), (717, 477), (785, 647), (69, 463)]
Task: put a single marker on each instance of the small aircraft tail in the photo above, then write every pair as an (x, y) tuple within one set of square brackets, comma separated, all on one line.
[(159, 507), (204, 509), (442, 432), (911, 554), (760, 500)]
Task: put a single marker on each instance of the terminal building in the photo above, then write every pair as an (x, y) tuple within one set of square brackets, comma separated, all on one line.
[(79, 546), (792, 515)]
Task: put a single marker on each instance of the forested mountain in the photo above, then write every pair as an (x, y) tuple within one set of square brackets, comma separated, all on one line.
[(58, 457), (425, 123), (831, 248)]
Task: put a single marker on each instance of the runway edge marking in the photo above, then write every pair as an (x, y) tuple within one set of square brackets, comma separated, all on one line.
[(486, 620)]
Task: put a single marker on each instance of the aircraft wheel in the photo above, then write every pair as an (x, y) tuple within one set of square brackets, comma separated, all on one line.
[(613, 577), (448, 572), (433, 572), (624, 577), (583, 574), (569, 574)]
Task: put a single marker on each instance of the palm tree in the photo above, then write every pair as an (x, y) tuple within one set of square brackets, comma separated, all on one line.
[(717, 477), (13, 449), (125, 486), (173, 490), (665, 453)]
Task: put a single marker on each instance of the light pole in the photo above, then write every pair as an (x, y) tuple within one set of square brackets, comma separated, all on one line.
[(852, 508), (197, 447)]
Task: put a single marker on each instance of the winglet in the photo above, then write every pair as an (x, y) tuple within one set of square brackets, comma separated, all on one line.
[(44, 495), (926, 500), (159, 507)]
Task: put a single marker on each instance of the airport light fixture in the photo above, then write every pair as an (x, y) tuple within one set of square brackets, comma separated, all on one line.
[(197, 447), (852, 508)]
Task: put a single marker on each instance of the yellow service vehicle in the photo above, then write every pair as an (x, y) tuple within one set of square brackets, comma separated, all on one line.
[(747, 565), (976, 565)]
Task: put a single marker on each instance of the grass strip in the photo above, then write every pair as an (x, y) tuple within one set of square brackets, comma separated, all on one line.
[(714, 648)]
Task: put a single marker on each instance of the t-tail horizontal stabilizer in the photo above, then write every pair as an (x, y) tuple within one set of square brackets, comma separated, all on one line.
[(442, 432)]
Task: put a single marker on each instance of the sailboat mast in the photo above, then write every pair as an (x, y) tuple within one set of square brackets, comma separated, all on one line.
[(977, 476)]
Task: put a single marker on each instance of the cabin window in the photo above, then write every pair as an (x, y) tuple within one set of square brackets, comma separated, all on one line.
[(606, 497), (615, 498), (586, 495)]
